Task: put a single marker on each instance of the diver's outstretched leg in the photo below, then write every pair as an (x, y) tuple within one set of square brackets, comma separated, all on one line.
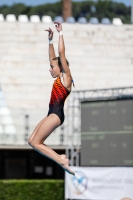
[(44, 130), (35, 131)]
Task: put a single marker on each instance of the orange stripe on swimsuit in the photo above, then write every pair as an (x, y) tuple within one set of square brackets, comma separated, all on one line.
[(59, 94)]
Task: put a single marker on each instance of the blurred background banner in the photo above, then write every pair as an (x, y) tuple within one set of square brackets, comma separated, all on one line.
[(106, 183)]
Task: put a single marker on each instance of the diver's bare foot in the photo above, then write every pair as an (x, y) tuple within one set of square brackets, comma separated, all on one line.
[(66, 167), (63, 156)]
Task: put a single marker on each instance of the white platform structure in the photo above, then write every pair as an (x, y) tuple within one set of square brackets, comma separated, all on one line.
[(11, 18), (1, 18), (34, 18), (23, 18), (99, 56), (117, 22), (46, 19)]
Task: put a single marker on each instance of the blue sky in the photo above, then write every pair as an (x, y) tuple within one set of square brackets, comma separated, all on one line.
[(37, 2)]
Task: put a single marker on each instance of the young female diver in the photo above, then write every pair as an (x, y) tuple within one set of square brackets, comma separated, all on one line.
[(59, 69)]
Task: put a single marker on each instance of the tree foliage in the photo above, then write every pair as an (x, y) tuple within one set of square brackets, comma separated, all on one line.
[(103, 8)]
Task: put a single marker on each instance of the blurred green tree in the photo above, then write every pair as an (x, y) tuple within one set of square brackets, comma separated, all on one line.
[(101, 8), (46, 9)]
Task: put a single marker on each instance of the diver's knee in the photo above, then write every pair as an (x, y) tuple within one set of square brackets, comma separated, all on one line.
[(34, 144), (29, 142)]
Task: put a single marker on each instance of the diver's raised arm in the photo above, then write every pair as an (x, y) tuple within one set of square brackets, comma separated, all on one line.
[(61, 49), (51, 46)]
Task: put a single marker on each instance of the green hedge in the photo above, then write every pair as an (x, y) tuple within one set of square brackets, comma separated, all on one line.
[(31, 190)]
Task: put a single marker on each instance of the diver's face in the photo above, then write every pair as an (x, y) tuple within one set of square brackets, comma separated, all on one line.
[(54, 68)]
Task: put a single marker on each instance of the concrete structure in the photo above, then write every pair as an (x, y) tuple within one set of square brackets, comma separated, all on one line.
[(117, 21), (1, 18), (46, 19), (23, 18), (11, 18), (100, 57), (34, 19)]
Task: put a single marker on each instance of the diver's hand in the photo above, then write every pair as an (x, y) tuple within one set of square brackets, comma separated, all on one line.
[(50, 35), (58, 26)]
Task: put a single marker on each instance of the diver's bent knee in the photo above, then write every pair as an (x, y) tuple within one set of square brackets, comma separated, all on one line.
[(34, 144), (29, 141)]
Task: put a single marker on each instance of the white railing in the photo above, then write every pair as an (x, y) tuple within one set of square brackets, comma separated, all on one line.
[(24, 18), (47, 19)]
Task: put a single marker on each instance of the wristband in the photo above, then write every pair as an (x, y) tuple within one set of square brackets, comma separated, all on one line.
[(50, 41), (60, 32)]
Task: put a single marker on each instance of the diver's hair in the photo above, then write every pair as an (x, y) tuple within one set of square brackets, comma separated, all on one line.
[(59, 62), (60, 65)]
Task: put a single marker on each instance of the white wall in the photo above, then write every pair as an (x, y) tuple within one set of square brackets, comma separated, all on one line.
[(100, 57)]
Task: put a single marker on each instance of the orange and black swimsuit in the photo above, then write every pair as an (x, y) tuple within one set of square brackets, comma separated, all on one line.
[(58, 96)]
